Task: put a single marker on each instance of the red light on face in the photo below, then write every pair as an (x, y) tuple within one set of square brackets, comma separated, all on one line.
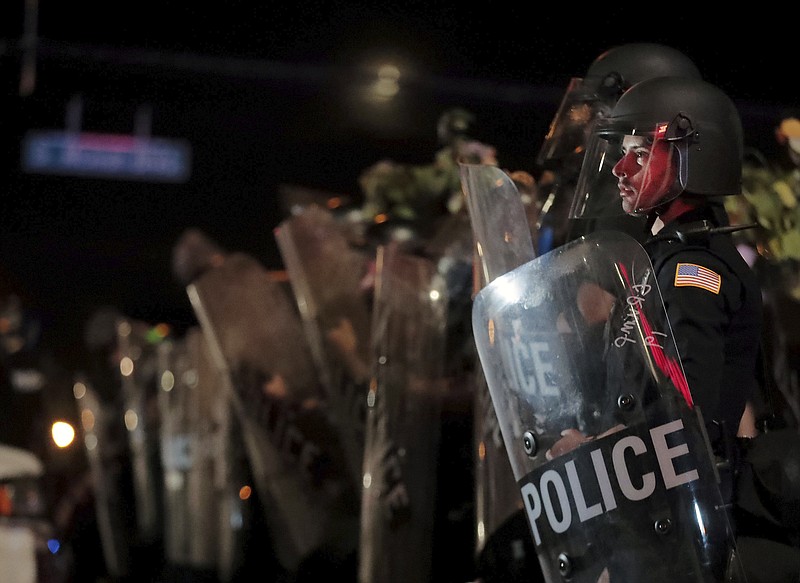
[(6, 505)]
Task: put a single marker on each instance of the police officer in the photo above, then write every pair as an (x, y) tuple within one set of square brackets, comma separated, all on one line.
[(508, 554), (586, 100), (675, 149)]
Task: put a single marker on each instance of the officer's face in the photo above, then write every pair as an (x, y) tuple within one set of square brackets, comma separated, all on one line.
[(645, 173)]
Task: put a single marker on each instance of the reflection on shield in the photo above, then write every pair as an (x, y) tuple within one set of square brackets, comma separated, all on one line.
[(611, 459), (256, 339), (106, 452), (403, 419), (138, 363), (326, 275), (203, 467), (496, 493), (502, 241)]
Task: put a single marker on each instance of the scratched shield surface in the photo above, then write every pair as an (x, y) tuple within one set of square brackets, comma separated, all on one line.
[(138, 364), (327, 277), (256, 338), (500, 224), (202, 473), (609, 454), (106, 452), (403, 420)]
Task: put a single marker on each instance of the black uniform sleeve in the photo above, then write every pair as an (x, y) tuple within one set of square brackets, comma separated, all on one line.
[(700, 293)]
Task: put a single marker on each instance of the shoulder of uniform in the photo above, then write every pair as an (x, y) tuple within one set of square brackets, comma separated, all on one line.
[(695, 268)]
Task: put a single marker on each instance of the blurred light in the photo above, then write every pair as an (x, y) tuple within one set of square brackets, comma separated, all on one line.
[(167, 381), (135, 351), (174, 480), (87, 420), (79, 390), (367, 480), (90, 441), (27, 380), (13, 343), (131, 420), (389, 72), (245, 492), (388, 83), (434, 295), (190, 378), (126, 366), (63, 433), (124, 329), (236, 518), (157, 333), (54, 545)]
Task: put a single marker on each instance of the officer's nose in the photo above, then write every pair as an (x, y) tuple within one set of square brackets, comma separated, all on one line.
[(620, 168)]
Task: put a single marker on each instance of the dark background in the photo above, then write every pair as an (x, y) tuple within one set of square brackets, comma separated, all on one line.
[(271, 93)]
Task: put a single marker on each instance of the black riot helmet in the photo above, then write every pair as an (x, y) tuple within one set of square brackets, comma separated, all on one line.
[(699, 123), (454, 124), (591, 97), (619, 68)]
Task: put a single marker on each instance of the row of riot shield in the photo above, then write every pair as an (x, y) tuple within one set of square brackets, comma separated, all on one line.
[(386, 327), (343, 377), (164, 455), (338, 388), (204, 470), (328, 391), (116, 399), (294, 450)]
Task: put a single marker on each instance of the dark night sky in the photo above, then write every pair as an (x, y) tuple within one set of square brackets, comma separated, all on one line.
[(264, 92)]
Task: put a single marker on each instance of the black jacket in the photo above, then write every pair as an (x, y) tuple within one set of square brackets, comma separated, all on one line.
[(713, 302)]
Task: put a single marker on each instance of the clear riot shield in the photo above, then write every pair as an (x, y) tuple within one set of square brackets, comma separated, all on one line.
[(256, 340), (610, 456), (199, 523), (107, 453), (500, 545), (403, 420), (138, 363), (326, 275)]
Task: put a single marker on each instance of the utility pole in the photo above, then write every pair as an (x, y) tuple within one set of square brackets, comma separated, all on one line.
[(28, 42)]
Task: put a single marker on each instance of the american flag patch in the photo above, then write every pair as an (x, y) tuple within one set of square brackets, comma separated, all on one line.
[(689, 274)]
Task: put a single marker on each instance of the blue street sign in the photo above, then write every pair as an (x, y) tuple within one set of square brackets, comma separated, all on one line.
[(115, 156)]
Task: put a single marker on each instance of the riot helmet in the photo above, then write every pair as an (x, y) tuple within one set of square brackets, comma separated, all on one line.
[(591, 97), (453, 124), (664, 137)]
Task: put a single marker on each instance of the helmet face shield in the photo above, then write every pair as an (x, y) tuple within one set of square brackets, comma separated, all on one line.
[(627, 170), (572, 125)]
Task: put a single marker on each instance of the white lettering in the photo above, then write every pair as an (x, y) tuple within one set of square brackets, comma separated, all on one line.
[(543, 368), (531, 365), (530, 497), (666, 454), (603, 480), (552, 478), (556, 492), (584, 512), (621, 468)]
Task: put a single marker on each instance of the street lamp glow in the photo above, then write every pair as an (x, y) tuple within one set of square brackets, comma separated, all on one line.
[(388, 83), (63, 433)]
